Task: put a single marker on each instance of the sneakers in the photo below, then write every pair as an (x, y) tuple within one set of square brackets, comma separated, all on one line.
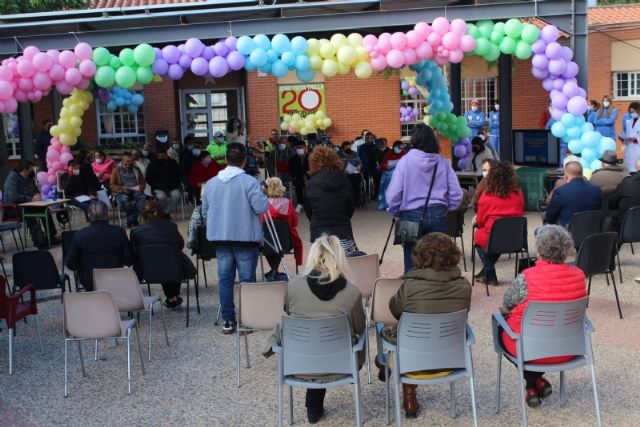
[(533, 398), (173, 304), (299, 208), (228, 327), (543, 387)]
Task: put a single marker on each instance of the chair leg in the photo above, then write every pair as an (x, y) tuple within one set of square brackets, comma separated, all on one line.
[(188, 304), (452, 397), (473, 267), (464, 257), (619, 265), (473, 391), (10, 351), (595, 395), (366, 349), (38, 332), (149, 288), (386, 394), (204, 274), (238, 355), (290, 405), (149, 334), (246, 350), (615, 291), (15, 241), (140, 350), (279, 393), (356, 390), (632, 251), (66, 390), (261, 267), (523, 406), (498, 380), (589, 287), (563, 400), (197, 287), (218, 314), (164, 324), (129, 361), (515, 269), (396, 383), (84, 373)]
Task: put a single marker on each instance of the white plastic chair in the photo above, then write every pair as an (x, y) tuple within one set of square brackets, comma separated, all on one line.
[(548, 329), (381, 316)]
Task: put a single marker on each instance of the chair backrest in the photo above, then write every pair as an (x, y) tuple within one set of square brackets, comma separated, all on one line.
[(508, 235), (37, 267), (594, 255), (583, 224), (205, 249), (92, 260), (630, 231), (284, 235), (4, 301), (90, 315), (122, 284), (554, 329), (365, 271), (455, 224), (383, 290), (66, 239), (261, 305), (158, 264), (431, 341), (316, 346)]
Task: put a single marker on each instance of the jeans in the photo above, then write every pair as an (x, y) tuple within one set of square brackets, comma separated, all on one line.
[(488, 260), (435, 219), (168, 201), (245, 260), (131, 204)]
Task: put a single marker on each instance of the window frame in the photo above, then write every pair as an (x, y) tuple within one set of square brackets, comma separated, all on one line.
[(14, 144), (120, 138), (632, 95)]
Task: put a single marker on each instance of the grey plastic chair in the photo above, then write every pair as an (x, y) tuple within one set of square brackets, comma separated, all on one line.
[(548, 329), (316, 347), (432, 342)]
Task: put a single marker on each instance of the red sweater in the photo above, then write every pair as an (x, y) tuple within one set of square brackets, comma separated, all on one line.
[(290, 217), (546, 282), (492, 207), (200, 173), (390, 156)]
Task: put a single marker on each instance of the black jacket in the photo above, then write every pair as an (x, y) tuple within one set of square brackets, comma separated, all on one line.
[(329, 204), (100, 245), (164, 175), (298, 166), (375, 159), (18, 189), (625, 197), (84, 184)]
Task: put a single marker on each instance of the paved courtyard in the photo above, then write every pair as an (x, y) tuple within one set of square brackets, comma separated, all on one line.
[(192, 382)]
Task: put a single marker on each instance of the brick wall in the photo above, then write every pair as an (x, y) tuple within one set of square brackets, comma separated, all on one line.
[(529, 99), (161, 109), (262, 105)]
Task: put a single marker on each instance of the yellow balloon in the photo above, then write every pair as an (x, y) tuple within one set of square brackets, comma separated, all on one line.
[(66, 139), (76, 132), (327, 122), (83, 105), (286, 118), (327, 50), (320, 114), (362, 53), (76, 122), (347, 55), (66, 102), (284, 126), (76, 110), (329, 68), (363, 70), (313, 47), (87, 97), (64, 113), (316, 62), (303, 131), (338, 40), (295, 117), (355, 39), (55, 131), (343, 70)]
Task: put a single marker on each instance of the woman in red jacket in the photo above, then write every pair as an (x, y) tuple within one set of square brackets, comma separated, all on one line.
[(550, 280), (391, 157), (501, 198), (201, 172), (281, 209)]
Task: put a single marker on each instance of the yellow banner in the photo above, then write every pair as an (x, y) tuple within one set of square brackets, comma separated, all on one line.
[(303, 99)]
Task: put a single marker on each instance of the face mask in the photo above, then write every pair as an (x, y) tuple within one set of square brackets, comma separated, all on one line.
[(485, 174), (606, 103), (382, 148), (176, 146), (497, 107), (397, 150), (189, 147), (75, 172), (145, 153), (347, 149), (300, 152), (282, 146), (100, 160), (128, 165), (206, 162), (474, 108), (236, 125), (196, 152), (634, 115), (32, 175)]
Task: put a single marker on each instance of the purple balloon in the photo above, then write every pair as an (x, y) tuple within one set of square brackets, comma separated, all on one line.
[(462, 163), (570, 89), (158, 52), (553, 51), (404, 85), (230, 42), (557, 114), (558, 84), (577, 105), (567, 53), (171, 54), (175, 72), (459, 151), (160, 67), (540, 61), (538, 46), (181, 48), (220, 49), (185, 61), (559, 102), (547, 84), (208, 53), (582, 93), (235, 60), (571, 71), (193, 47), (549, 34), (199, 66), (539, 74), (218, 66), (557, 66)]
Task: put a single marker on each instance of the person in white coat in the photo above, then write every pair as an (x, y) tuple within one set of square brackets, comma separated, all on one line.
[(631, 138)]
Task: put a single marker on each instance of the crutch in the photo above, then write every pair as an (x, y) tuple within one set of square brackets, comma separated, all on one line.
[(393, 223), (275, 244)]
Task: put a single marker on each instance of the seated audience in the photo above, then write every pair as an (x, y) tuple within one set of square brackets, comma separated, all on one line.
[(281, 209), (175, 151), (159, 230), (435, 285), (375, 162), (501, 198), (577, 195), (482, 185), (550, 280), (163, 176), (353, 169), (479, 153), (103, 167), (99, 245), (625, 197), (127, 184), (611, 174), (79, 182), (324, 289)]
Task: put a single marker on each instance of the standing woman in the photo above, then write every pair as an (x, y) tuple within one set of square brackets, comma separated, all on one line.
[(415, 173), (235, 131), (494, 126), (631, 137), (605, 118)]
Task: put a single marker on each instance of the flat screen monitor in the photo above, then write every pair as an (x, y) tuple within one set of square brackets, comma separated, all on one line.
[(536, 147)]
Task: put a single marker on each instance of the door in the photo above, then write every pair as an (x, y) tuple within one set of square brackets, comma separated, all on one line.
[(205, 111)]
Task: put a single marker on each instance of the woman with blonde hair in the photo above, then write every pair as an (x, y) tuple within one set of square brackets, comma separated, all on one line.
[(281, 209), (324, 289), (605, 118)]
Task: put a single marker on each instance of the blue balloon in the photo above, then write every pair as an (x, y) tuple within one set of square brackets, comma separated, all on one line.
[(606, 144), (595, 165), (307, 75), (112, 106), (132, 108), (590, 139), (302, 63), (259, 57), (299, 45), (587, 127), (137, 99), (119, 101), (589, 155), (280, 43), (248, 65), (272, 55), (245, 45), (575, 146), (573, 132), (289, 59), (266, 68), (262, 41), (567, 120), (558, 129), (279, 69)]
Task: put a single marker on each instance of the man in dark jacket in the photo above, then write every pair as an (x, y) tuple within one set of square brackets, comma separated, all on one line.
[(375, 160), (577, 195), (298, 168), (43, 140), (163, 175), (99, 245), (20, 187), (363, 152), (79, 182), (625, 197)]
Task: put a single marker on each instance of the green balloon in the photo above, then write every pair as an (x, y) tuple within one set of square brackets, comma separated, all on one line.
[(508, 46), (105, 76), (125, 77), (513, 28), (493, 54), (144, 55), (101, 56), (530, 33), (115, 62), (523, 50), (144, 75), (126, 57), (465, 132), (482, 46), (443, 127), (433, 122), (485, 28), (472, 30), (496, 37)]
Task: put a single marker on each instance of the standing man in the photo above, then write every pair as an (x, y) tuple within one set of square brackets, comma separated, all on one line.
[(43, 140), (494, 126), (475, 118), (127, 183), (233, 202), (163, 175), (218, 148), (299, 168)]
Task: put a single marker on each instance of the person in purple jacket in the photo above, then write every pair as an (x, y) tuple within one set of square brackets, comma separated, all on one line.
[(407, 191)]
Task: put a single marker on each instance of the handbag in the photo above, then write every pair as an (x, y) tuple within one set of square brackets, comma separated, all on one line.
[(408, 231), (525, 263)]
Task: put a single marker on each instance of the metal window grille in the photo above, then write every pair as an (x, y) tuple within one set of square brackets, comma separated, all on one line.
[(626, 85), (483, 89), (120, 127)]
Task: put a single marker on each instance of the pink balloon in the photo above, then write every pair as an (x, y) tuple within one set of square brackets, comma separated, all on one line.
[(25, 84), (379, 63), (410, 56), (459, 27), (384, 43), (456, 56), (424, 51), (20, 96), (87, 68), (451, 41), (54, 54), (64, 88), (51, 179), (6, 91), (42, 177), (395, 58), (369, 41), (56, 72), (423, 29), (440, 25), (5, 73), (440, 60), (30, 52), (42, 61), (25, 68), (414, 39), (398, 40), (52, 155), (84, 84), (67, 59), (73, 76), (65, 158), (42, 81), (467, 43), (83, 51), (55, 143), (434, 39)]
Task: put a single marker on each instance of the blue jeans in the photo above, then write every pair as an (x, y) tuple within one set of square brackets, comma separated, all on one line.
[(245, 260), (131, 204), (435, 219), (488, 260)]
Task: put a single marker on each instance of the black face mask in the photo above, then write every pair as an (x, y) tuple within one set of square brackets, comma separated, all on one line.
[(348, 150), (32, 175)]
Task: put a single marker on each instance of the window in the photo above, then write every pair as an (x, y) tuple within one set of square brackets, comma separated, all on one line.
[(482, 89), (418, 102), (120, 128), (12, 135), (626, 85)]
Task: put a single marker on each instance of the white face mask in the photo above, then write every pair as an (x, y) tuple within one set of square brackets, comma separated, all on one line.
[(606, 103), (281, 146), (397, 150), (474, 108), (485, 174), (76, 172), (497, 107), (300, 151)]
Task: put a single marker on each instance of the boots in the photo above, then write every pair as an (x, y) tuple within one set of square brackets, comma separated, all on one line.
[(410, 402)]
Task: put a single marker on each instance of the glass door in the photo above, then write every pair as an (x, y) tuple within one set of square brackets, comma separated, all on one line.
[(205, 111)]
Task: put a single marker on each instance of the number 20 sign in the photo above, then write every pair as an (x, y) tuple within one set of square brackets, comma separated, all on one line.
[(303, 99)]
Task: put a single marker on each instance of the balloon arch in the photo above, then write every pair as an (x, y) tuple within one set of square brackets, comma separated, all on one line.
[(425, 49)]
